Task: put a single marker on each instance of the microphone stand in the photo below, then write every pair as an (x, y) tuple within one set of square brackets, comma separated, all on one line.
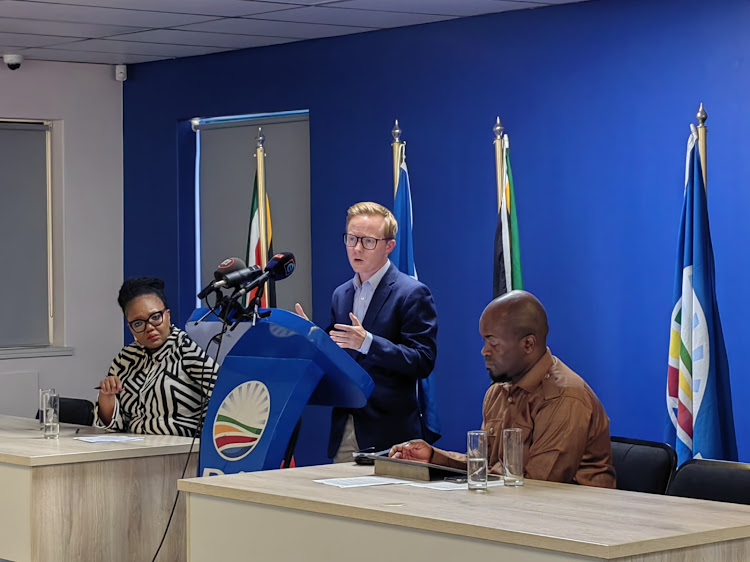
[(256, 304), (220, 301), (251, 312), (202, 318)]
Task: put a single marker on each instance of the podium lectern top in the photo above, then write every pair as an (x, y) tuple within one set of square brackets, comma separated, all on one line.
[(284, 335)]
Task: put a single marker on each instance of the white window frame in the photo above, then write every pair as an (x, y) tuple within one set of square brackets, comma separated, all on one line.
[(55, 347)]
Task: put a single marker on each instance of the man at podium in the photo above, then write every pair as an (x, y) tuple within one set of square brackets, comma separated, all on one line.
[(387, 322)]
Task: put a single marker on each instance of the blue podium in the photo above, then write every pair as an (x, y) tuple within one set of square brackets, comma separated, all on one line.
[(269, 373)]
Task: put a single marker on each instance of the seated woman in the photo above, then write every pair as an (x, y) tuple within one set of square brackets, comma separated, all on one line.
[(160, 383)]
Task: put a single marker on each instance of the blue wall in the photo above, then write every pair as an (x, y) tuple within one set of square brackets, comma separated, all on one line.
[(596, 97)]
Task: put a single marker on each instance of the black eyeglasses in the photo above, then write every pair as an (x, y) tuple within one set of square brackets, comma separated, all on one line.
[(155, 320), (368, 242)]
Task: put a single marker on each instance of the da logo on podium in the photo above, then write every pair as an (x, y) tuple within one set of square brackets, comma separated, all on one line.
[(241, 420)]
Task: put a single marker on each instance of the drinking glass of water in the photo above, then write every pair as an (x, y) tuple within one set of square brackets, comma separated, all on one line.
[(513, 456), (42, 398), (476, 460), (51, 416)]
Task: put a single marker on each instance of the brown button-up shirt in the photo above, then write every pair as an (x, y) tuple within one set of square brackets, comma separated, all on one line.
[(565, 429)]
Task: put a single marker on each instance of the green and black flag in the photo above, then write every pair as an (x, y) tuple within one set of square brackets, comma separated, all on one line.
[(507, 265)]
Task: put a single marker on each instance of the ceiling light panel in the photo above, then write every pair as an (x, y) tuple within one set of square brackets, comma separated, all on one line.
[(362, 18), (83, 56), (131, 47), (219, 8), (182, 37), (89, 14), (439, 7), (273, 28), (62, 29)]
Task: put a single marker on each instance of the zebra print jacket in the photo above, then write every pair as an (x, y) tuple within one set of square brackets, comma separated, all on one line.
[(164, 392)]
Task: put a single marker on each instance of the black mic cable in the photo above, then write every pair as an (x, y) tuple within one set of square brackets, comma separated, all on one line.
[(218, 338)]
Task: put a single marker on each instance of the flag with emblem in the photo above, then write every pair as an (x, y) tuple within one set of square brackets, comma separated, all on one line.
[(403, 258), (507, 266), (254, 251), (699, 403)]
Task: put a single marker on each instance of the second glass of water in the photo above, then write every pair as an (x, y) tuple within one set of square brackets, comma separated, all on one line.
[(476, 460), (51, 416), (42, 397), (513, 456)]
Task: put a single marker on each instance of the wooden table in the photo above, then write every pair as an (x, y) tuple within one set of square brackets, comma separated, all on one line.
[(67, 500), (284, 515)]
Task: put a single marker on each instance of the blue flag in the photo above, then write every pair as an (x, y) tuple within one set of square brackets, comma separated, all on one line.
[(403, 258), (403, 254), (699, 401)]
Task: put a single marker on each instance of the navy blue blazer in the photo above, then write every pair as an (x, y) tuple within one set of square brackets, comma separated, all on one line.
[(403, 321)]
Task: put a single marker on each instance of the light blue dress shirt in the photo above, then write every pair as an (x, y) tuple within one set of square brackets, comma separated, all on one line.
[(363, 293)]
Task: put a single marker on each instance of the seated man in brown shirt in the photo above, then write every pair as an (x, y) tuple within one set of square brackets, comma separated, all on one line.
[(565, 429)]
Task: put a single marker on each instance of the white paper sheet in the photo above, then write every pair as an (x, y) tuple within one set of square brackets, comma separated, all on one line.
[(362, 481), (108, 438)]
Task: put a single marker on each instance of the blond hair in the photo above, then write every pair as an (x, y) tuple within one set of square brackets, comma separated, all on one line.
[(390, 226)]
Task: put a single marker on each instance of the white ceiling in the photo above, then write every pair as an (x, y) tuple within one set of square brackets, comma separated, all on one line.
[(133, 31)]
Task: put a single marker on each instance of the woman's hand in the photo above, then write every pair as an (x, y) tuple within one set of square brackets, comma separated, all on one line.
[(108, 388), (110, 385)]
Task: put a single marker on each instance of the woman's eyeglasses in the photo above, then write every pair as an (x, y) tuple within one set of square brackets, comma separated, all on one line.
[(155, 320)]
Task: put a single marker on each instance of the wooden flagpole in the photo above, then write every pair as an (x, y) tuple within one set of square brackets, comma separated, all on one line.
[(397, 146), (260, 160), (499, 161), (702, 145)]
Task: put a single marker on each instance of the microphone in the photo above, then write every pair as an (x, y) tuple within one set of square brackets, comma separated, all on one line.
[(228, 266), (278, 267), (240, 277)]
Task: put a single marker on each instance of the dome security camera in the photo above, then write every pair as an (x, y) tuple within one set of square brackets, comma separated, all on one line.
[(13, 61)]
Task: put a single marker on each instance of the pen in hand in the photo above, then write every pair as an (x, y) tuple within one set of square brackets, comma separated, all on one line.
[(110, 385)]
